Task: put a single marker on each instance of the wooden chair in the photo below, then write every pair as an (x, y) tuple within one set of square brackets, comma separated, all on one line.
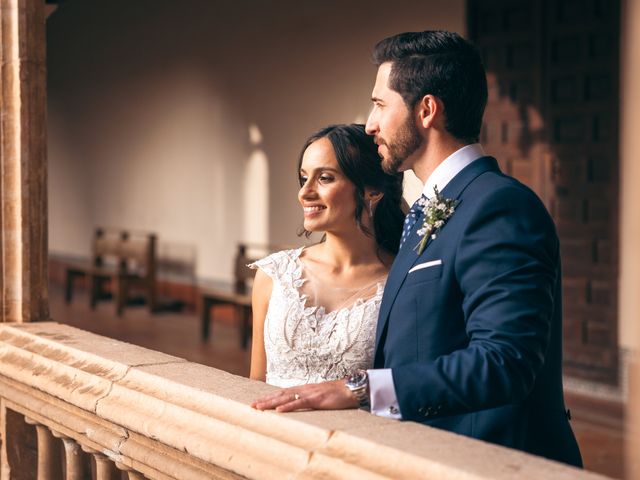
[(124, 260), (237, 294)]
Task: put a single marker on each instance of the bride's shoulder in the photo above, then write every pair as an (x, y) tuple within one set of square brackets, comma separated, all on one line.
[(290, 254), (276, 260), (310, 252)]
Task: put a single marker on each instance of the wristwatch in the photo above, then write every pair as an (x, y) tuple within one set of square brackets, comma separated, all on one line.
[(358, 384)]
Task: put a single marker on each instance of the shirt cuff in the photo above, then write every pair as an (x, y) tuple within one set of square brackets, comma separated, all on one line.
[(382, 391)]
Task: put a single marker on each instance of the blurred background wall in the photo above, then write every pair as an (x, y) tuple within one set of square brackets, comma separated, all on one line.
[(186, 118)]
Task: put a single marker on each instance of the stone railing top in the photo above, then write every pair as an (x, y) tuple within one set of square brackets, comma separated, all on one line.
[(206, 412)]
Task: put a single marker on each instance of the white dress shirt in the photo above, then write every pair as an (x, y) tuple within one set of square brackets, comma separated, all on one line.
[(384, 401)]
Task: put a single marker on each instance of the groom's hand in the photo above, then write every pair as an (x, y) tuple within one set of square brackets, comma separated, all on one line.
[(315, 396)]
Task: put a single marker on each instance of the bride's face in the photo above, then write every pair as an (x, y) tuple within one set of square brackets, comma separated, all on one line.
[(327, 195)]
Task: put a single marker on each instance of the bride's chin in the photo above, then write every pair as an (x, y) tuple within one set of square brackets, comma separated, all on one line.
[(310, 227)]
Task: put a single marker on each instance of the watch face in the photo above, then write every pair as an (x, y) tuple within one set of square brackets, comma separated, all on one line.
[(358, 383), (358, 379)]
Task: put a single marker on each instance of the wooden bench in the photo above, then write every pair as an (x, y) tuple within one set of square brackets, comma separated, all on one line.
[(237, 294), (124, 260)]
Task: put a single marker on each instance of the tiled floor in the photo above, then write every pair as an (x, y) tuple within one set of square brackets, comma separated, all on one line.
[(598, 426)]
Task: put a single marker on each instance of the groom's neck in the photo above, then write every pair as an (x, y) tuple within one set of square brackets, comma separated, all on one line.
[(435, 152)]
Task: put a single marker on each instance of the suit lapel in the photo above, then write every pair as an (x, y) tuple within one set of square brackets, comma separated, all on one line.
[(407, 256)]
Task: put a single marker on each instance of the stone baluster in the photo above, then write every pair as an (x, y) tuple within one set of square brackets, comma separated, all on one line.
[(105, 468), (73, 457), (132, 475), (49, 461)]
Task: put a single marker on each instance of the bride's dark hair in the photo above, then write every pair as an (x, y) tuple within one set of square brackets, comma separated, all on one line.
[(358, 159)]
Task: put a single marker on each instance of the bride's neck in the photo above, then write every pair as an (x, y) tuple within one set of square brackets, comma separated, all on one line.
[(350, 251)]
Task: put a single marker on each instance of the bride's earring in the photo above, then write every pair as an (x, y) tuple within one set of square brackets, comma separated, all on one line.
[(370, 208)]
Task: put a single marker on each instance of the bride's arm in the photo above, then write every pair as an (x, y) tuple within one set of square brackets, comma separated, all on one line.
[(262, 285)]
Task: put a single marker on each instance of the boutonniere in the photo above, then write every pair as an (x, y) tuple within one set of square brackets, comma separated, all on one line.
[(437, 210)]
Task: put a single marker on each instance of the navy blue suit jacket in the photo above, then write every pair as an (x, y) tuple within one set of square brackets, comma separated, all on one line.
[(475, 343)]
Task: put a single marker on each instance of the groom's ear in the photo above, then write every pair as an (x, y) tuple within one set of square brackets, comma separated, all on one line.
[(429, 109)]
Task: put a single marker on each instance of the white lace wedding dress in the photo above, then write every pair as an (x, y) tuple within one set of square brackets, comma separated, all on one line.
[(314, 331)]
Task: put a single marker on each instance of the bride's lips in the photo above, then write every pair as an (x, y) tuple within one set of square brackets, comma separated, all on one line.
[(312, 210)]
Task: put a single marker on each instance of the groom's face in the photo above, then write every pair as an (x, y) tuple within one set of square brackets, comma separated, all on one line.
[(393, 125)]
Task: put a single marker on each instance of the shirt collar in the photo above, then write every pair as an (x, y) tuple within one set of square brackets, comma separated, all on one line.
[(451, 166)]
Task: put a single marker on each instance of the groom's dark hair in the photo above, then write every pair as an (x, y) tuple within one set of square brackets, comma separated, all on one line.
[(442, 64)]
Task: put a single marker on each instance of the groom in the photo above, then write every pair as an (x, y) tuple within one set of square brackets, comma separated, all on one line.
[(469, 333)]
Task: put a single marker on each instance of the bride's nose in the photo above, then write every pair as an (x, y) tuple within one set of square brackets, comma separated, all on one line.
[(307, 191)]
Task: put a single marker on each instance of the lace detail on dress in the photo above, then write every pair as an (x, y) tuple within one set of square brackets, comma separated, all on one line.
[(304, 344)]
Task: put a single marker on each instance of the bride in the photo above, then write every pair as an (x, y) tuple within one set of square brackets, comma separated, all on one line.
[(316, 308)]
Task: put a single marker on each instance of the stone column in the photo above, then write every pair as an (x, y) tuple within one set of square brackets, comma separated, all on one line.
[(633, 423), (23, 183), (629, 299)]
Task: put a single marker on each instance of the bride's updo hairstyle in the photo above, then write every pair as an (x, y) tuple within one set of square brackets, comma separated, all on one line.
[(358, 159)]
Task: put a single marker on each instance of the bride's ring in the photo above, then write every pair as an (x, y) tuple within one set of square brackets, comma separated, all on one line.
[(296, 396)]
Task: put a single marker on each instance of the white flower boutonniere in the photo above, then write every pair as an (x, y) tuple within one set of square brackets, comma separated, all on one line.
[(437, 210)]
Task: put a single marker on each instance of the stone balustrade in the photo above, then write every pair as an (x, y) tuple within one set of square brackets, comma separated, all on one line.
[(74, 404)]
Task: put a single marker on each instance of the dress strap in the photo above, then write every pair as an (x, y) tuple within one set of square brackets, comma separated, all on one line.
[(281, 266)]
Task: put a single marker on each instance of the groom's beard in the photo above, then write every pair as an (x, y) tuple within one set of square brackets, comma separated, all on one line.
[(405, 144)]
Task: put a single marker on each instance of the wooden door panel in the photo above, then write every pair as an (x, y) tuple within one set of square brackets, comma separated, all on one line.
[(552, 122)]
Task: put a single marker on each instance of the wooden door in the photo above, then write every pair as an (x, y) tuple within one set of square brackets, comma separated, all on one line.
[(552, 121)]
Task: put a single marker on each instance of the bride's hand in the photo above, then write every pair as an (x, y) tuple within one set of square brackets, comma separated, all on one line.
[(315, 396)]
